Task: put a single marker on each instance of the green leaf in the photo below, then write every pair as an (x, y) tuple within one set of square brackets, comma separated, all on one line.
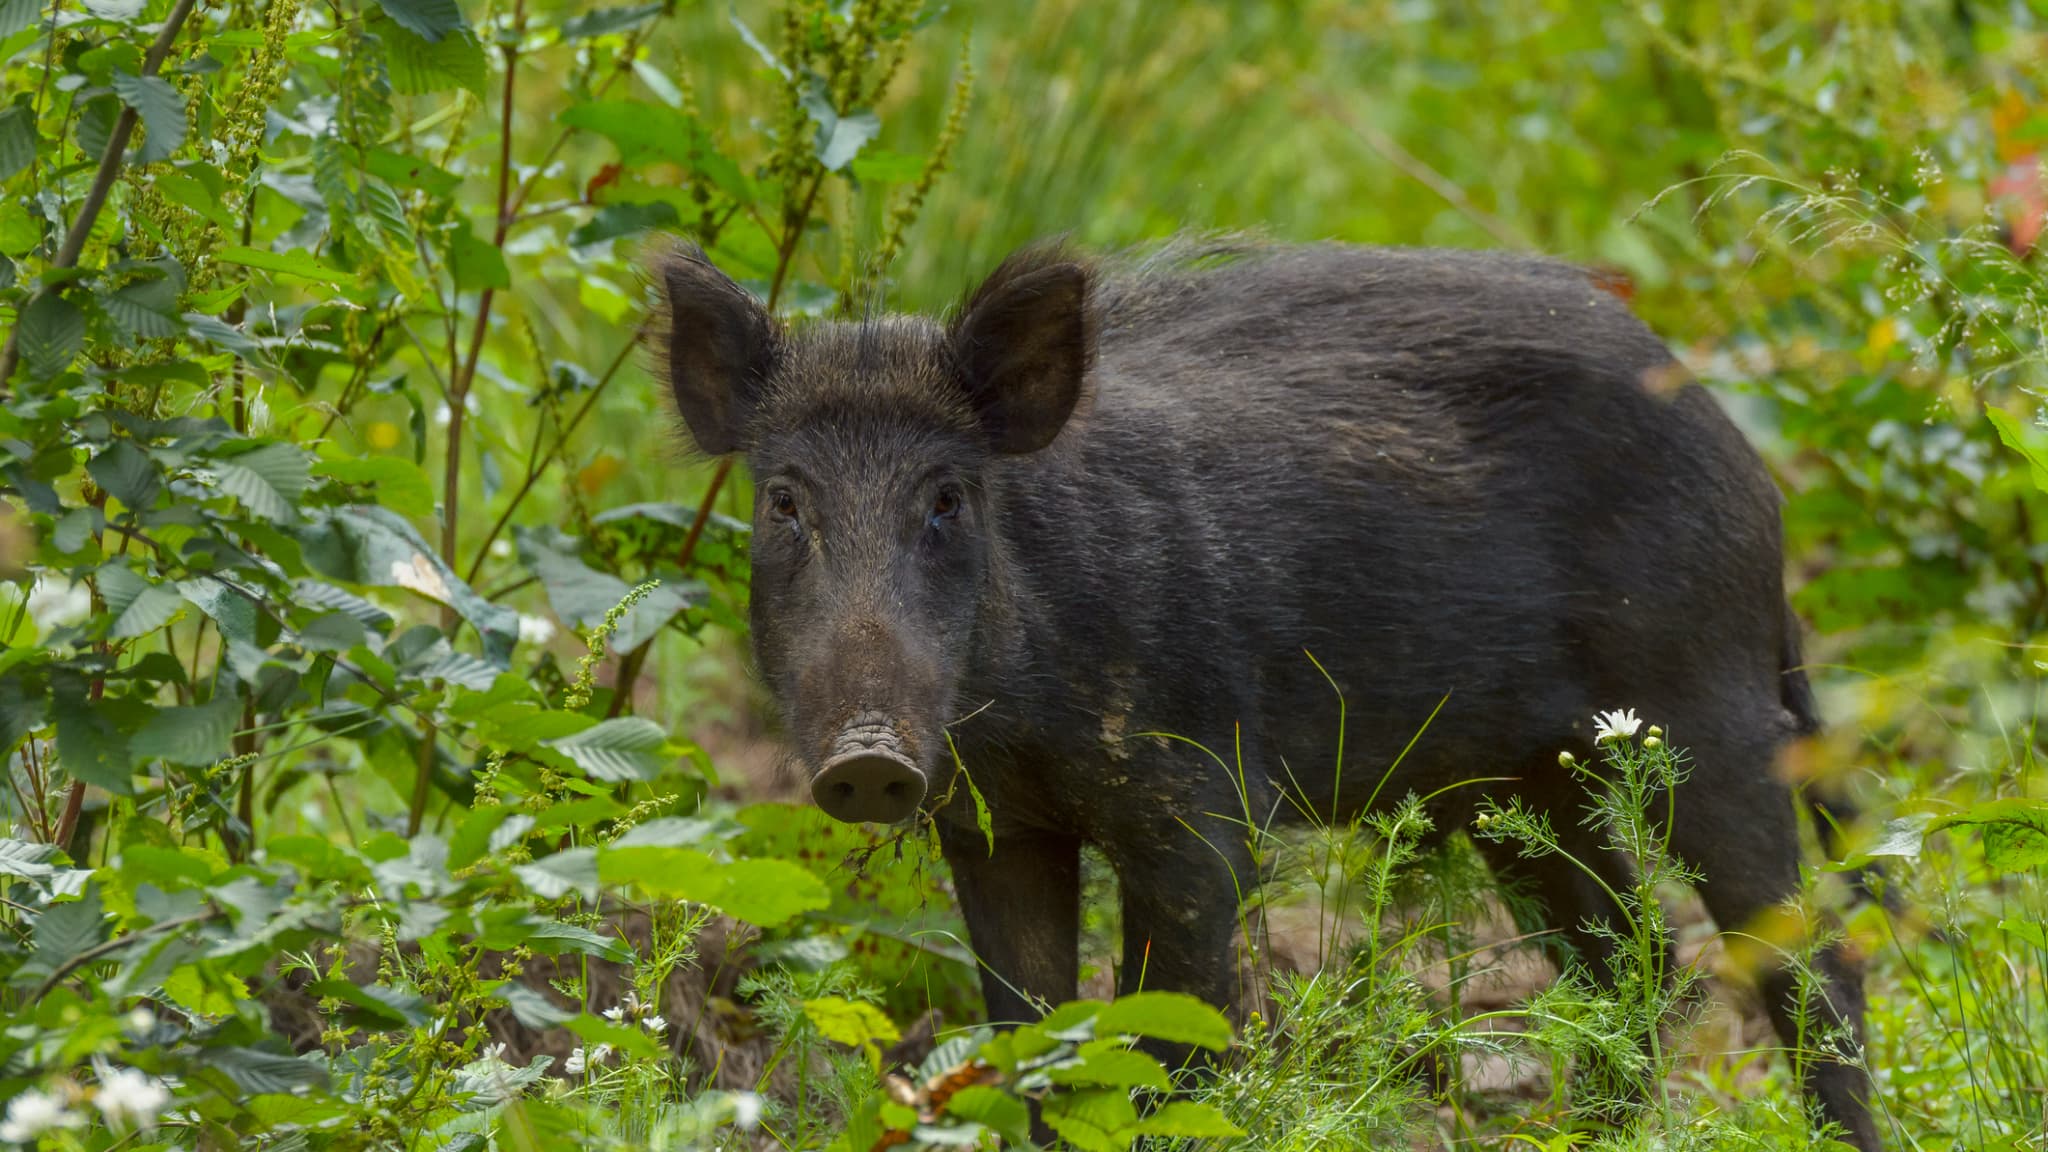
[(148, 309), (27, 860), (162, 109), (854, 1023), (195, 735), (20, 232), (994, 1109), (532, 1007), (582, 595), (1188, 1120), (1111, 1065), (622, 748), (367, 544), (259, 1072), (375, 1006), (625, 218), (763, 892), (50, 335), (2015, 437), (840, 138), (17, 136), (66, 930), (1175, 1017), (419, 66), (552, 877), (605, 21), (397, 483), (16, 15), (128, 474), (89, 745), (429, 19), (269, 481), (231, 608), (1093, 1121), (316, 594), (21, 712), (2015, 832), (298, 264), (544, 935), (474, 263)]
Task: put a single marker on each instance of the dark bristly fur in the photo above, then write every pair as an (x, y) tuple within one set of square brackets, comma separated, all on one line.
[(1439, 472)]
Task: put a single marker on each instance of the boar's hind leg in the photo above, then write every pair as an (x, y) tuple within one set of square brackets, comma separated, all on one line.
[(1022, 903), (1737, 824)]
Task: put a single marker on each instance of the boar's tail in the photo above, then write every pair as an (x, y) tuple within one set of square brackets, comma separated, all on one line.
[(1793, 689)]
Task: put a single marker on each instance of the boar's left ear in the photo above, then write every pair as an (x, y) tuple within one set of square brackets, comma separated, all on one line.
[(1023, 345), (717, 350)]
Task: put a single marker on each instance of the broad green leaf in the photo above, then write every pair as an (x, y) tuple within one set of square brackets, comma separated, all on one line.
[(1096, 1120), (555, 876), (89, 745), (230, 607), (28, 860), (1175, 1017), (195, 735), (128, 474), (581, 595), (840, 137), (162, 110), (994, 1109), (419, 66), (21, 712), (16, 15), (298, 264), (552, 936), (533, 1008), (269, 481), (2015, 436), (605, 21), (375, 1006), (854, 1023), (2015, 832), (1188, 1120), (19, 231), (17, 132), (367, 544), (429, 19), (147, 309), (622, 748), (397, 483), (320, 595), (626, 218), (763, 892), (475, 263), (50, 335), (65, 930), (254, 1071), (1110, 1065)]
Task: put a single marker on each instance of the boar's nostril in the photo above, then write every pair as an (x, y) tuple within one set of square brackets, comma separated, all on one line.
[(872, 784)]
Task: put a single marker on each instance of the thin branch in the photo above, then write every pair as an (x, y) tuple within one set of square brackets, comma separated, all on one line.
[(1393, 153), (103, 181), (115, 945)]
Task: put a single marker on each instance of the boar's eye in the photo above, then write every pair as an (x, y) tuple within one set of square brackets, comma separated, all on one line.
[(782, 503), (946, 506)]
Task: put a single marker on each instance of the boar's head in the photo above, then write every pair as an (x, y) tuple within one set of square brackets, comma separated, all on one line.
[(874, 535)]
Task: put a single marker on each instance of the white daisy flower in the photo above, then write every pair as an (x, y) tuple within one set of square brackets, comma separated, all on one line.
[(33, 1113), (616, 1013), (575, 1064), (130, 1099), (746, 1110), (656, 1024), (1615, 725)]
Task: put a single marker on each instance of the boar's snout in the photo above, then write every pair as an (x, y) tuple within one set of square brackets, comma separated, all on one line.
[(868, 778)]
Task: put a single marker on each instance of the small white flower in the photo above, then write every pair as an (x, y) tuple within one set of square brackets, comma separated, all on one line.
[(140, 1021), (746, 1110), (33, 1113), (442, 415), (130, 1099), (575, 1064), (615, 1013), (600, 1054), (656, 1024), (501, 548), (1615, 725), (535, 629)]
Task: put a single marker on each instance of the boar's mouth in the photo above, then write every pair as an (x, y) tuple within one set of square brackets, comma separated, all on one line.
[(868, 776)]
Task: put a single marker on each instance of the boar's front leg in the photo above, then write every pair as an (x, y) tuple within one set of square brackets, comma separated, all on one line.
[(1182, 884), (1022, 903)]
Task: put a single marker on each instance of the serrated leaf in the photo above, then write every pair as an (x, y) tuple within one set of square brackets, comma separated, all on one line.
[(429, 19), (605, 21), (147, 309), (541, 934), (17, 132), (128, 474), (552, 877), (21, 712), (28, 860), (65, 931), (2015, 832), (319, 594), (268, 481), (532, 1007), (260, 1072), (229, 607), (582, 596), (419, 66), (1175, 1017), (994, 1109), (397, 483), (50, 335), (1113, 1067), (1097, 1120), (89, 746), (622, 748), (195, 735), (367, 544), (151, 609), (376, 1006), (475, 263), (162, 109)]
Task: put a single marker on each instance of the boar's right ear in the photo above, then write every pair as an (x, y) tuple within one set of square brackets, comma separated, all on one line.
[(718, 348), (1023, 345)]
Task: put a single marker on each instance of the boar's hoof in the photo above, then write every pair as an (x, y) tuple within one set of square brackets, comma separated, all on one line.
[(872, 784)]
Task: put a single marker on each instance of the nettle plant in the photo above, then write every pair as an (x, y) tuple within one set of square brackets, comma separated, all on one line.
[(308, 438)]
